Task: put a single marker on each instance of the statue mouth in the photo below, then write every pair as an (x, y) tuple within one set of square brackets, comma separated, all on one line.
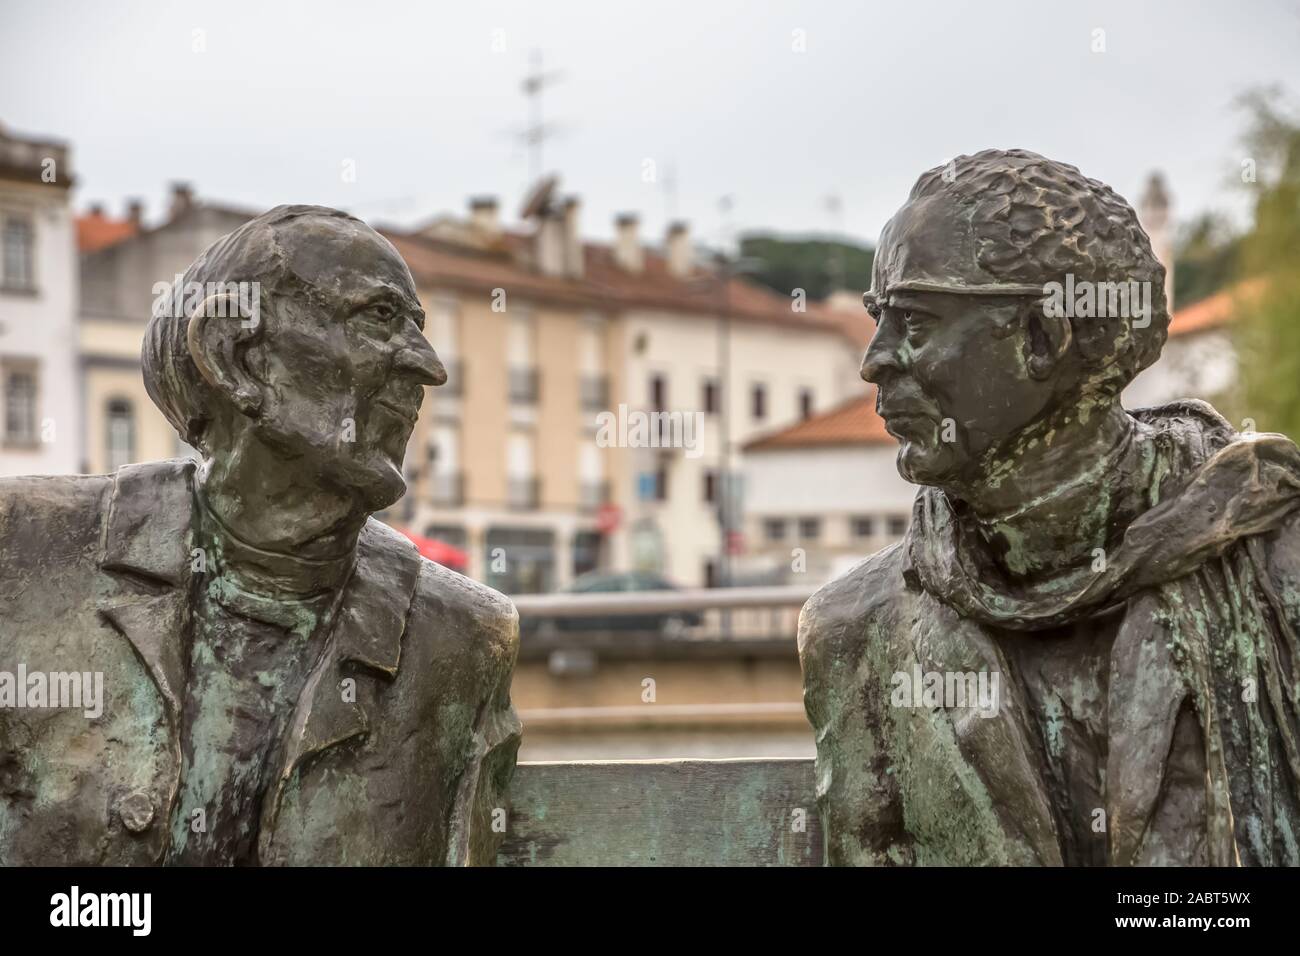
[(403, 413), (907, 424)]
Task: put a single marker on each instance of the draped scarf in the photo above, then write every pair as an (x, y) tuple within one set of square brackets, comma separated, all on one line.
[(1204, 625)]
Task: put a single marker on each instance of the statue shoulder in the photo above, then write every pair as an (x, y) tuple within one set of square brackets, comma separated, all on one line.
[(53, 503), (840, 612), (478, 621)]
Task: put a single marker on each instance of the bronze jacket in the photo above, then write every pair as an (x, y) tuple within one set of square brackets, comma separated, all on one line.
[(1201, 761), (96, 575)]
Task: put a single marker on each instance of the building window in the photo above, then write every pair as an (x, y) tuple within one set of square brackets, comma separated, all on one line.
[(758, 403), (863, 527), (709, 398), (524, 387), (18, 255), (810, 528), (119, 433), (774, 529), (658, 393), (586, 552), (897, 526), (711, 487), (452, 534), (661, 484), (529, 565), (805, 403), (20, 407)]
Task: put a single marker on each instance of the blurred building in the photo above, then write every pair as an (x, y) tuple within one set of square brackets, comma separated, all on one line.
[(545, 335), (40, 410), (823, 494), (1199, 359), (123, 267)]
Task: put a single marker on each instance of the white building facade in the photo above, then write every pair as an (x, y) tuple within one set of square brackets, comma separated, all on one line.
[(40, 421)]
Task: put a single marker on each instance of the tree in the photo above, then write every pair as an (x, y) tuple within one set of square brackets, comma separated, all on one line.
[(818, 266), (1267, 331)]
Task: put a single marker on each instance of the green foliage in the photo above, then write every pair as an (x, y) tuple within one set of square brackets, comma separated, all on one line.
[(1267, 331), (1207, 256), (818, 266)]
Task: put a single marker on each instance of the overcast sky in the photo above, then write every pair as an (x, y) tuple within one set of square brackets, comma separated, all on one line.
[(282, 94)]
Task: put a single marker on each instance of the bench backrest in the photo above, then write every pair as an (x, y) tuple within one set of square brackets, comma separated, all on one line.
[(663, 813)]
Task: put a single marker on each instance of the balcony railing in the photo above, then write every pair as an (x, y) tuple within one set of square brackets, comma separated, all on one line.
[(447, 489), (593, 494), (594, 390), (524, 494), (524, 386)]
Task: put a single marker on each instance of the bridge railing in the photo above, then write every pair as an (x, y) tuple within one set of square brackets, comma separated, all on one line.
[(727, 812), (700, 614)]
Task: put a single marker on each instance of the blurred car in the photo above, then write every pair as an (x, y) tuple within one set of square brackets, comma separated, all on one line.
[(597, 583)]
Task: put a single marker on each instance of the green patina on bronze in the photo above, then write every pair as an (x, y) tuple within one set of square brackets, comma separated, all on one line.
[(1131, 577), (286, 680)]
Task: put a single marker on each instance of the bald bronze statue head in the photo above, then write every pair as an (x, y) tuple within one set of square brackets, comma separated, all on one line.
[(323, 367)]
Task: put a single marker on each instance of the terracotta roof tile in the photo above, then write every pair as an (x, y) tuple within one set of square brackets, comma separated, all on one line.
[(604, 284), (96, 231), (854, 422), (1215, 310)]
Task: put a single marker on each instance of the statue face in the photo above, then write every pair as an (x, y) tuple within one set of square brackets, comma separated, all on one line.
[(953, 383), (345, 365)]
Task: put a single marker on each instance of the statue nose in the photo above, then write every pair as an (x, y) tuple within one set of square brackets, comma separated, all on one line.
[(421, 364)]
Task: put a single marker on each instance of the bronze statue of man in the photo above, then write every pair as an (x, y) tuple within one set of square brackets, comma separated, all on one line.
[(1125, 585), (284, 679)]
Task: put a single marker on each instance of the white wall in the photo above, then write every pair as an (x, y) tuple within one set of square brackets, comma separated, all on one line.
[(686, 350), (1198, 365), (42, 326)]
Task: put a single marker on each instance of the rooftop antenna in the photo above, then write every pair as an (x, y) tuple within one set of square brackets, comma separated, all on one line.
[(537, 132)]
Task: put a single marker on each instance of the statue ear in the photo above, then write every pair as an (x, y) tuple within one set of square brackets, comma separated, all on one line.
[(1049, 337), (218, 335)]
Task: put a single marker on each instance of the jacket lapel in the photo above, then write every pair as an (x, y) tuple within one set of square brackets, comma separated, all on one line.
[(147, 541), (997, 745), (366, 636), (146, 550)]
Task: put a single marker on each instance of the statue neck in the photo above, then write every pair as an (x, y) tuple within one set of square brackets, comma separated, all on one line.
[(1058, 501), (278, 513)]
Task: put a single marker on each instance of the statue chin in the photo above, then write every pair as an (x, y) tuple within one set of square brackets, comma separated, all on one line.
[(386, 487), (923, 465)]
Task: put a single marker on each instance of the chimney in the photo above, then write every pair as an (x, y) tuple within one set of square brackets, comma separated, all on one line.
[(627, 245), (135, 212), (677, 250), (1154, 213), (483, 215), (182, 199), (573, 264), (97, 209), (550, 243)]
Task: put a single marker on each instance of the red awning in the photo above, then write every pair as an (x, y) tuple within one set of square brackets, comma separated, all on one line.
[(445, 554)]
